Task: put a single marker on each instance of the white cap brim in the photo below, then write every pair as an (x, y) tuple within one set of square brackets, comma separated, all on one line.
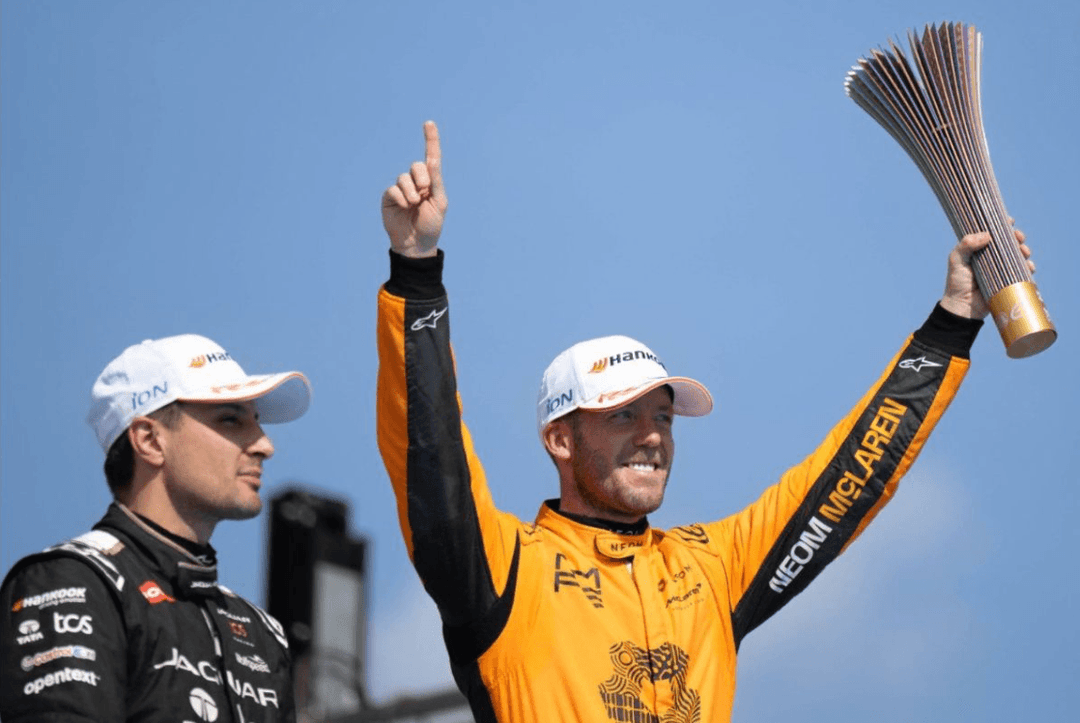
[(278, 397), (691, 398)]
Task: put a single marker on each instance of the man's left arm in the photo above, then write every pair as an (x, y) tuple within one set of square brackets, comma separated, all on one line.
[(775, 547)]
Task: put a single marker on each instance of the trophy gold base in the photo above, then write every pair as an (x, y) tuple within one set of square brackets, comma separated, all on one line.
[(1021, 318)]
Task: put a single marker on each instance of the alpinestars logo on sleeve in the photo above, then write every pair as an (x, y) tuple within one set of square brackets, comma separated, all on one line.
[(917, 365), (430, 321)]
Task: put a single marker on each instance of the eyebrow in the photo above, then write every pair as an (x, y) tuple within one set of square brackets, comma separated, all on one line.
[(235, 407), (668, 407)]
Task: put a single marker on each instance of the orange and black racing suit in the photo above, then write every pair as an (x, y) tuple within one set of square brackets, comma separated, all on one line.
[(558, 620)]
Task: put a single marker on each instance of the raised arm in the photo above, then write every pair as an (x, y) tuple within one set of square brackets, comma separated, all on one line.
[(782, 541), (461, 546)]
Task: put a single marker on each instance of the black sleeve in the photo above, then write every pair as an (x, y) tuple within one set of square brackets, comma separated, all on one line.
[(949, 333), (418, 279), (63, 655)]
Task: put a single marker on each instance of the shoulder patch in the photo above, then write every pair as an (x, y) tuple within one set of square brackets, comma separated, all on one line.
[(95, 546), (104, 542), (530, 533), (692, 534)]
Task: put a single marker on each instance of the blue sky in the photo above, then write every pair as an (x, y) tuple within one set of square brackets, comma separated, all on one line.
[(687, 173)]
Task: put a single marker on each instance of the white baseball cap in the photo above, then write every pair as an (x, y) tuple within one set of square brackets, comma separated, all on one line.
[(609, 372), (190, 368)]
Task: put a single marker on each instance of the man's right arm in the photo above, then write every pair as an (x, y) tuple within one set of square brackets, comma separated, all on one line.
[(462, 547), (63, 645)]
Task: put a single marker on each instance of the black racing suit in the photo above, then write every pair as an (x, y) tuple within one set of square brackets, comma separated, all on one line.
[(123, 624)]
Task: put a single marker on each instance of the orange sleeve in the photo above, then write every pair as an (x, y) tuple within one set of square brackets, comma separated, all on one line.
[(462, 547), (776, 546)]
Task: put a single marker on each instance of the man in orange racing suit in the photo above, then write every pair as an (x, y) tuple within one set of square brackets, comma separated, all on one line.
[(588, 613)]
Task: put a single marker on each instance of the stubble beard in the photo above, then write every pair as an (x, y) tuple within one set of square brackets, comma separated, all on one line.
[(241, 505), (595, 476), (241, 509), (245, 512)]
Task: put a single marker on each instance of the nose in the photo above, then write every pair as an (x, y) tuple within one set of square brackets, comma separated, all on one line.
[(262, 446), (648, 433)]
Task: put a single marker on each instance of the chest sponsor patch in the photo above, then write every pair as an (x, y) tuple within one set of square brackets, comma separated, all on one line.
[(73, 624), (233, 616), (66, 651), (619, 547), (587, 581), (51, 598), (254, 662), (205, 670), (67, 675), (154, 594), (29, 632), (203, 704)]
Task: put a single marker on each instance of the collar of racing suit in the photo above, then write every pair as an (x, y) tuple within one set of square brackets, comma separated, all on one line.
[(203, 553), (605, 542), (190, 576), (621, 528)]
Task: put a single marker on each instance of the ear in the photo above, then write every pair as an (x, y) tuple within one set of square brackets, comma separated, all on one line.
[(146, 442), (559, 440)]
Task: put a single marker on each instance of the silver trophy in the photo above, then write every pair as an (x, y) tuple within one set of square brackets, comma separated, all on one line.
[(930, 103)]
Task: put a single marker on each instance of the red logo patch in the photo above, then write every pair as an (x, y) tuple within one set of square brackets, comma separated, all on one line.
[(154, 594), (238, 629)]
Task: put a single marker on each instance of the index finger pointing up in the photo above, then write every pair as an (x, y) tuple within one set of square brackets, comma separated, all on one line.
[(433, 156)]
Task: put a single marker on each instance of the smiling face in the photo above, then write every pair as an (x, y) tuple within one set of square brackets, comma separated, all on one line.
[(617, 461), (212, 459)]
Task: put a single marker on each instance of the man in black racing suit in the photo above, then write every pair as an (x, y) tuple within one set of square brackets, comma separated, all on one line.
[(128, 622)]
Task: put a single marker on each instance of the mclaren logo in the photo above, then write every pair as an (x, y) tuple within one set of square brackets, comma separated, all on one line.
[(429, 321), (917, 365)]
